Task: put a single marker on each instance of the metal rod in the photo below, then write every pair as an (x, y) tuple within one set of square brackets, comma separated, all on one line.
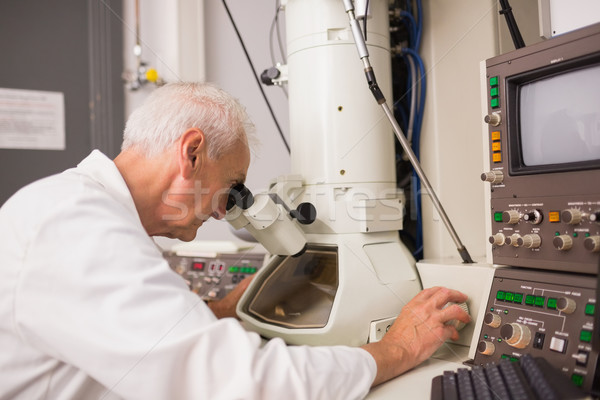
[(364, 56)]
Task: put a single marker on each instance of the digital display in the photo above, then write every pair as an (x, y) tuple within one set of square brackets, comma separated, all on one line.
[(198, 266), (560, 118)]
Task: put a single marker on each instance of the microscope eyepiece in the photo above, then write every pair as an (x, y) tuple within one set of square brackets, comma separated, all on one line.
[(240, 196)]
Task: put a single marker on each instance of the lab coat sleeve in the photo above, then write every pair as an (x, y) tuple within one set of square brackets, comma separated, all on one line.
[(95, 293)]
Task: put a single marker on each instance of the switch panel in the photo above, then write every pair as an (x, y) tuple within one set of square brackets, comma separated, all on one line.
[(543, 313)]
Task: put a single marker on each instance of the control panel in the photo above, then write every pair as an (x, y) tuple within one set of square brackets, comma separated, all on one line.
[(545, 314), (213, 276), (543, 165), (558, 233)]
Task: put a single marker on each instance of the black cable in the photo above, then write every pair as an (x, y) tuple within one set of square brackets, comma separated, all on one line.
[(515, 34), (365, 20), (256, 77)]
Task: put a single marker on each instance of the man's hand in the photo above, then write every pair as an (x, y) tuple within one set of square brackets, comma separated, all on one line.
[(418, 332), (225, 307)]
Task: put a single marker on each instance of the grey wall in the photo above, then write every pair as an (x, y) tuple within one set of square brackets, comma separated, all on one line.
[(49, 46)]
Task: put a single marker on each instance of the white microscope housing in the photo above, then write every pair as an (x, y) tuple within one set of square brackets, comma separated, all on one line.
[(352, 274)]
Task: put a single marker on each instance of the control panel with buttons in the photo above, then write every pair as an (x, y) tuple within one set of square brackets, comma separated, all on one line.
[(213, 276), (543, 313)]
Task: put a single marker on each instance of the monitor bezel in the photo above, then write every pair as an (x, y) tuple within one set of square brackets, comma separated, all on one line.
[(513, 88)]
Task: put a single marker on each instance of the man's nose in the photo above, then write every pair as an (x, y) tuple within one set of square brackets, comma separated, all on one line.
[(221, 210)]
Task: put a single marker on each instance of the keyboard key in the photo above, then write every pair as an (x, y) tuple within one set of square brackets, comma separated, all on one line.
[(449, 386), (497, 386), (480, 383), (465, 387)]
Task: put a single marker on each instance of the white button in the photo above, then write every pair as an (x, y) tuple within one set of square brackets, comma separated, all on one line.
[(557, 344)]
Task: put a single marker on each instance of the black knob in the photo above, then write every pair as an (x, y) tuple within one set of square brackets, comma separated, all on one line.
[(268, 75), (305, 213), (240, 196), (506, 331)]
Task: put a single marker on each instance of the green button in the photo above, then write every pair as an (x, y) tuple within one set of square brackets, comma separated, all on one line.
[(505, 356), (539, 301), (498, 216), (551, 303), (514, 359), (494, 81), (577, 379), (529, 299), (494, 92), (495, 102), (500, 295), (253, 270), (234, 270), (590, 308), (585, 336), (509, 296), (518, 298)]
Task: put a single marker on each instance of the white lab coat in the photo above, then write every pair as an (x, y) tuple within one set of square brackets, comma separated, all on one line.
[(89, 309)]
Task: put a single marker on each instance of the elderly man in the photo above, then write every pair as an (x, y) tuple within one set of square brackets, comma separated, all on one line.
[(90, 309)]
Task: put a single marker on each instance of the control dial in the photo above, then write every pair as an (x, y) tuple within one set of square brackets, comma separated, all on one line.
[(498, 239), (592, 243), (566, 305), (513, 239), (492, 176), (531, 241), (493, 320), (563, 242), (493, 119), (535, 217), (511, 217), (486, 347), (571, 216), (517, 335)]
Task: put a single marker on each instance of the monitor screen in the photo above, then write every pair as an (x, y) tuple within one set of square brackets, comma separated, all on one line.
[(559, 118)]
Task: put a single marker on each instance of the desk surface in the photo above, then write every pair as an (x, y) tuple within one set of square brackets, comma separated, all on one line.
[(416, 383)]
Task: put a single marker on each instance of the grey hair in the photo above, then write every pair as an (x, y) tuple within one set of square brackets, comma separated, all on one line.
[(173, 109)]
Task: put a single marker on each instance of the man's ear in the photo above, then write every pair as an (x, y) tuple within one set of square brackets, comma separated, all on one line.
[(192, 147)]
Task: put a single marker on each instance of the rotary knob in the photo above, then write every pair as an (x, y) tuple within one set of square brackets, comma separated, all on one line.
[(493, 320), (511, 217), (563, 242), (592, 243), (595, 216), (572, 216), (498, 239), (566, 305), (492, 177), (531, 241), (535, 217), (513, 239), (486, 347), (493, 119), (517, 335)]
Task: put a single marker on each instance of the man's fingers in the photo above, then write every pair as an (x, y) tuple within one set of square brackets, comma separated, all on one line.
[(454, 311), (443, 296)]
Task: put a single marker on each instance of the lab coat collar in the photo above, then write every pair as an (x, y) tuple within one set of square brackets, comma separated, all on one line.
[(103, 170)]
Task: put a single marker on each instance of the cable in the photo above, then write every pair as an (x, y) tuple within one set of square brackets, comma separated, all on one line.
[(275, 24), (515, 34), (365, 19), (256, 77)]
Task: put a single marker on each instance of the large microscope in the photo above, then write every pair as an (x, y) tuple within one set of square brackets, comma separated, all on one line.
[(339, 273)]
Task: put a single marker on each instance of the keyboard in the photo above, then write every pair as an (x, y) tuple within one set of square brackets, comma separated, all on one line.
[(528, 378)]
